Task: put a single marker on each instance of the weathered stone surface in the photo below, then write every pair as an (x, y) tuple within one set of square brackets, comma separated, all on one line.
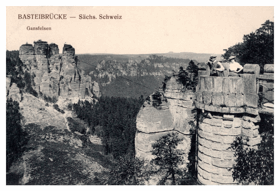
[(208, 83), (230, 99), (253, 111), (53, 49), (249, 81), (251, 69), (57, 75), (226, 85), (269, 68), (173, 115), (68, 50), (41, 47), (251, 100), (26, 49), (218, 98), (218, 84), (207, 97), (239, 100)]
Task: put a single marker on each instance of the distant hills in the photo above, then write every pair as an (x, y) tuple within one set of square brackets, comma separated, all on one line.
[(131, 75)]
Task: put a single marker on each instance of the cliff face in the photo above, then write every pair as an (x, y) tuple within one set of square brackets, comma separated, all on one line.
[(174, 114), (54, 74)]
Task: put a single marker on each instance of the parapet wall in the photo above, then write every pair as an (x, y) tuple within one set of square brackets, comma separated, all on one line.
[(229, 107)]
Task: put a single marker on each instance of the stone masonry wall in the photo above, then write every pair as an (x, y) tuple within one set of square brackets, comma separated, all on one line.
[(229, 108)]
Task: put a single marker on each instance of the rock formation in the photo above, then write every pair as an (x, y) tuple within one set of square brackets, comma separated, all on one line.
[(174, 113), (227, 107), (56, 75)]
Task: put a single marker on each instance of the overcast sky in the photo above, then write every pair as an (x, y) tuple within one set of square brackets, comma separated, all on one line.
[(141, 29)]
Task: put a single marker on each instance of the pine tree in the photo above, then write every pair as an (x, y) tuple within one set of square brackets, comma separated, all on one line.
[(168, 157)]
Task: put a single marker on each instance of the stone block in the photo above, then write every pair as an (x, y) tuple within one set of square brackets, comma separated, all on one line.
[(222, 179), (225, 109), (223, 163), (237, 122), (225, 171), (208, 82), (204, 181), (254, 141), (209, 152), (252, 111), (235, 131), (228, 117), (228, 139), (217, 98), (221, 131), (255, 132), (239, 100), (207, 97), (254, 119), (251, 69), (230, 99), (213, 108), (227, 124), (235, 110), (251, 100), (210, 136), (228, 154), (226, 85), (214, 121), (209, 168), (246, 132), (205, 127), (218, 84), (204, 173), (249, 81), (269, 68), (199, 105), (204, 158)]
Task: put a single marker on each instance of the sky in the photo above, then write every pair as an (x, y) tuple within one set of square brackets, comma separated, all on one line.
[(142, 30)]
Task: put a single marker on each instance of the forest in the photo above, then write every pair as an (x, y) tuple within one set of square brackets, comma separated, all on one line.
[(113, 119)]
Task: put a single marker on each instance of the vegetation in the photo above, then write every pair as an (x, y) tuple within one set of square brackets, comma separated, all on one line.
[(50, 99), (168, 158), (16, 138), (56, 107), (116, 122), (128, 171), (257, 47), (255, 165)]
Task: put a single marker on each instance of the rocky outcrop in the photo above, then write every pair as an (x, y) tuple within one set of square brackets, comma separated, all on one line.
[(173, 113), (56, 75)]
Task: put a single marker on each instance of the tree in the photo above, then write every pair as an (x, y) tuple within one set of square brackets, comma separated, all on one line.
[(256, 48), (16, 138), (128, 171), (168, 157), (254, 165)]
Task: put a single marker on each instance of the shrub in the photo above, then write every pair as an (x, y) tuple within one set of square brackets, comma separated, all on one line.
[(55, 106)]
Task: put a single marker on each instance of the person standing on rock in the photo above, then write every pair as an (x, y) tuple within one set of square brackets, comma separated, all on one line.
[(234, 67), (214, 68)]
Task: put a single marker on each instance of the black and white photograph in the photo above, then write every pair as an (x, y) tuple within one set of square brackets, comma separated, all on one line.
[(139, 95)]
